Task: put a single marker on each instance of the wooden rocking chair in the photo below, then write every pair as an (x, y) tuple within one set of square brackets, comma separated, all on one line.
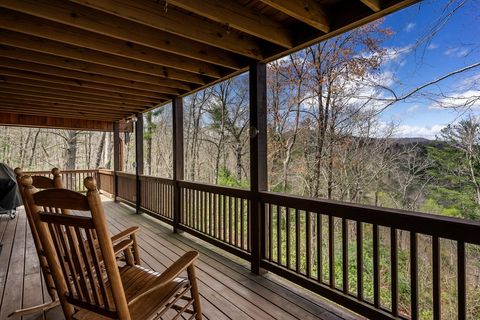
[(41, 182), (89, 282)]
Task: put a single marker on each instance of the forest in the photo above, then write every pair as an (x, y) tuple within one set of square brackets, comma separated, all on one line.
[(326, 139)]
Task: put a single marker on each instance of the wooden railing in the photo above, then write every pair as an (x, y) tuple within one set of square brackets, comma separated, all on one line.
[(106, 180), (72, 179), (157, 197), (216, 214), (302, 236), (354, 255)]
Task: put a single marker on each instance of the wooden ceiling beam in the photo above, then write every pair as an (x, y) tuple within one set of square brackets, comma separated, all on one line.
[(72, 104), (240, 17), (6, 72), (38, 121), (307, 11), (72, 90), (34, 109), (375, 5), (81, 66), (77, 75), (153, 14), (23, 41), (58, 95), (108, 25)]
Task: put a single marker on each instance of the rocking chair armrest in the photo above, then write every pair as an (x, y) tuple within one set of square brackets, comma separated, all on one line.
[(170, 274), (122, 245), (124, 234)]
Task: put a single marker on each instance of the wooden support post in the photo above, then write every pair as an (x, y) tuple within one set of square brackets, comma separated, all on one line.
[(258, 160), (178, 159), (116, 158), (138, 159)]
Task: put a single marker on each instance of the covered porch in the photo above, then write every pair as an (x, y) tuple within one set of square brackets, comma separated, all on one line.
[(228, 289), (99, 65)]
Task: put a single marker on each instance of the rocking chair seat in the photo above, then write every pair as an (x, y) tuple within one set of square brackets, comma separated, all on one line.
[(136, 280)]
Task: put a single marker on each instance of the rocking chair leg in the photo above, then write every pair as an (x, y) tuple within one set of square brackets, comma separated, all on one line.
[(40, 308), (194, 292)]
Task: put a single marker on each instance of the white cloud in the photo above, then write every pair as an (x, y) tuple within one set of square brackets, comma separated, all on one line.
[(410, 27), (465, 99), (409, 131), (432, 46), (413, 108), (457, 52)]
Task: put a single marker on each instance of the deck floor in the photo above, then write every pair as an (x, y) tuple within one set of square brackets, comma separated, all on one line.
[(228, 289)]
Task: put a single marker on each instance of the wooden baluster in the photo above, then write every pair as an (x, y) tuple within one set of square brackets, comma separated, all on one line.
[(242, 223), (236, 221), (394, 270), (331, 251), (436, 278), (319, 248), (461, 279), (413, 276), (279, 235), (230, 220), (345, 255), (287, 232), (297, 240), (376, 267), (224, 204), (270, 231), (360, 260), (215, 216), (308, 239)]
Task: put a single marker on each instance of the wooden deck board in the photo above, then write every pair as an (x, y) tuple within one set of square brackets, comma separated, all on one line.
[(228, 289)]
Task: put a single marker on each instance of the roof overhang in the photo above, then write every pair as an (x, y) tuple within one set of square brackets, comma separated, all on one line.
[(106, 60)]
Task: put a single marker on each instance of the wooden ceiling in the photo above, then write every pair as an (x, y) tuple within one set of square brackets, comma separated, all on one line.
[(106, 60)]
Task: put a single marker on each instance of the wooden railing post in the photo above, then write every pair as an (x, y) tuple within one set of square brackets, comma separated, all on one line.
[(258, 160), (138, 159), (178, 160), (116, 158)]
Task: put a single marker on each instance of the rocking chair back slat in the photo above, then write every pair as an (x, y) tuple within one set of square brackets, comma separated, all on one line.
[(81, 266)]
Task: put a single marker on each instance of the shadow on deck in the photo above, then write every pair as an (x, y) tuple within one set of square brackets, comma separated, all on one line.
[(228, 289)]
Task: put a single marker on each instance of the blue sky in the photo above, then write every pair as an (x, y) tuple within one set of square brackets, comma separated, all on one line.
[(454, 46)]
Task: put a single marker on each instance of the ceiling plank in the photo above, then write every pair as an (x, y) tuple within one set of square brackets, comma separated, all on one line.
[(59, 95), (81, 66), (77, 75), (73, 104), (33, 85), (240, 17), (34, 109), (153, 14), (24, 41), (113, 26), (307, 11), (126, 47), (23, 120), (375, 5), (6, 72)]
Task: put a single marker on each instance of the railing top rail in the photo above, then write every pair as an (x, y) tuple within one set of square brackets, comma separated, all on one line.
[(429, 224), (125, 174), (61, 171), (228, 191), (144, 177)]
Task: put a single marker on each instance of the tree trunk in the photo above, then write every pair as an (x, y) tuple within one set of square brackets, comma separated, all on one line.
[(100, 149), (34, 147), (71, 151)]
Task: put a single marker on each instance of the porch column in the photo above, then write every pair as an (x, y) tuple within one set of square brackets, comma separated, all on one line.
[(178, 159), (117, 157), (138, 159), (258, 160)]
